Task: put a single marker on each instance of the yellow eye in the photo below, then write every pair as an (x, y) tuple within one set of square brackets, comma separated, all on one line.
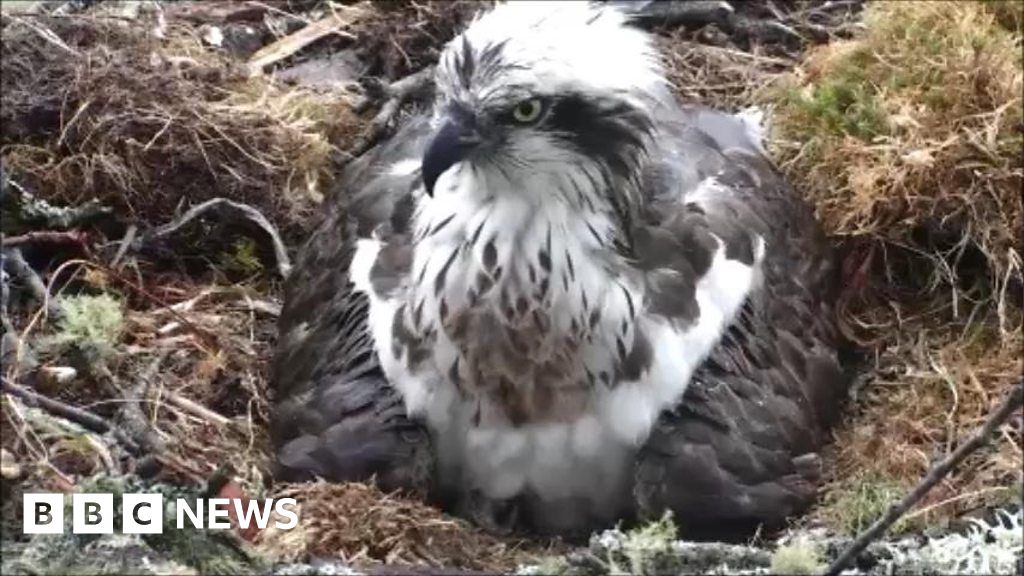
[(528, 111)]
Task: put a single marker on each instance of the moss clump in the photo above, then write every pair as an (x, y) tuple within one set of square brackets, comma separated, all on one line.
[(88, 325), (907, 141), (243, 259), (642, 545), (798, 557), (860, 502), (914, 122)]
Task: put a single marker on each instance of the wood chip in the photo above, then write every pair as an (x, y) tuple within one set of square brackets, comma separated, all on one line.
[(285, 47)]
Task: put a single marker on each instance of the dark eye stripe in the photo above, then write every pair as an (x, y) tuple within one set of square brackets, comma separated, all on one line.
[(605, 128)]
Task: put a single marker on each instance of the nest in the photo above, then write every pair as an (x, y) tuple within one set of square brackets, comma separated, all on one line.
[(908, 141), (906, 138)]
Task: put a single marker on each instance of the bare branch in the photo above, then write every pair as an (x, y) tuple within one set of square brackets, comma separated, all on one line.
[(75, 414), (33, 209), (18, 267), (247, 212), (75, 237)]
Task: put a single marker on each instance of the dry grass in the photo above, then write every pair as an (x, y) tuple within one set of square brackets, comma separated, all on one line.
[(725, 78), (402, 37), (94, 107), (361, 525), (908, 139)]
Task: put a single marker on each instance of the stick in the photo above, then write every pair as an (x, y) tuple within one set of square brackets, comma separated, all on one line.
[(46, 237), (284, 265), (77, 415), (1014, 400), (201, 412), (34, 209), (122, 249), (133, 417), (5, 297), (285, 47), (15, 262), (49, 36), (398, 93)]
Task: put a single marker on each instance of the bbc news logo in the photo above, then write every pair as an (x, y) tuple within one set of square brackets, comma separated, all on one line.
[(144, 513)]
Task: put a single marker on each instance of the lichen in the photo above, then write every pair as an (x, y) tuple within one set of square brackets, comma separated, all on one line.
[(798, 557), (184, 551), (89, 325)]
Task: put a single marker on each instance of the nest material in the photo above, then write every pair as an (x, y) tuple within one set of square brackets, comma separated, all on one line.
[(402, 37), (908, 140), (914, 129), (149, 120), (363, 526)]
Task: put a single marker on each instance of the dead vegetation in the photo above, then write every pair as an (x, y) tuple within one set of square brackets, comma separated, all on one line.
[(909, 140), (358, 523), (148, 119)]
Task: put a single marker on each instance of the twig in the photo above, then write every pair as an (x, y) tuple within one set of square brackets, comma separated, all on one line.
[(15, 262), (49, 36), (296, 41), (284, 265), (414, 86), (133, 417), (47, 237), (1013, 402), (122, 249), (32, 209), (77, 415), (5, 297), (197, 410)]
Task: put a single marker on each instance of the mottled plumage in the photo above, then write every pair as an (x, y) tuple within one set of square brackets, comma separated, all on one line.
[(561, 295)]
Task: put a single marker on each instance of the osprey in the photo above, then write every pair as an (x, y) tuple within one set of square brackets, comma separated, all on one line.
[(559, 298)]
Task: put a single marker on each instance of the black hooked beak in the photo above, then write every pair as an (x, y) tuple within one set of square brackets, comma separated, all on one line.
[(450, 145)]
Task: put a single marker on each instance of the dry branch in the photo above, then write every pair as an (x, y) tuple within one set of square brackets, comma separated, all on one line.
[(75, 237), (30, 208), (198, 410), (75, 414), (243, 210), (411, 87), (1011, 404), (132, 415), (292, 43), (15, 262)]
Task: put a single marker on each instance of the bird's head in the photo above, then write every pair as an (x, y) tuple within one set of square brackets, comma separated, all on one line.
[(563, 90)]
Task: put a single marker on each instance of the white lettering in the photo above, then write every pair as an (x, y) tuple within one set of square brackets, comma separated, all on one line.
[(286, 507), (196, 517), (218, 509)]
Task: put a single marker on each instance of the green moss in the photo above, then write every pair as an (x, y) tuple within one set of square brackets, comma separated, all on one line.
[(862, 501), (242, 259), (798, 557), (89, 325), (642, 548), (902, 57)]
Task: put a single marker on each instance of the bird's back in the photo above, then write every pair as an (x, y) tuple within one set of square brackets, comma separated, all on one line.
[(741, 448)]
